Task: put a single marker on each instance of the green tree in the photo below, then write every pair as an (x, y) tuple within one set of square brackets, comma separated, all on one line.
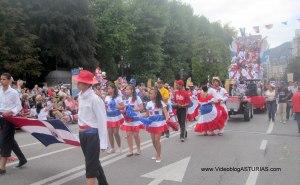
[(113, 31), (18, 46), (146, 52), (66, 33), (177, 41)]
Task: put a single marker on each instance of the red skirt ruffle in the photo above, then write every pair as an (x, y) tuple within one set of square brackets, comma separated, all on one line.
[(157, 130), (191, 117), (215, 126), (173, 125), (111, 124), (128, 128)]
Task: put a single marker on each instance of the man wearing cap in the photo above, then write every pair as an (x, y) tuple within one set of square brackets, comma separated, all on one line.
[(181, 102), (92, 125)]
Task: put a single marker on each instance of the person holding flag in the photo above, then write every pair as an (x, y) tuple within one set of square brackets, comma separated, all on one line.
[(92, 126), (10, 105)]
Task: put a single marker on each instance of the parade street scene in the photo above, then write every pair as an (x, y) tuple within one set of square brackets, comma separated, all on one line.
[(149, 92)]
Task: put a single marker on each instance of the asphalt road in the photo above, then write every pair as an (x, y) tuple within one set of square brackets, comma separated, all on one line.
[(244, 146)]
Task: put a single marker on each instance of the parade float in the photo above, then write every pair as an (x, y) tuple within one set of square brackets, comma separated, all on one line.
[(245, 76)]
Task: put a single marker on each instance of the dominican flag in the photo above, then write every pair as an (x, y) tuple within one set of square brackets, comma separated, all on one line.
[(47, 132)]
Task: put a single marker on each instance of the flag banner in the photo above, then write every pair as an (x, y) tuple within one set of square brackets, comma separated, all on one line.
[(256, 29), (269, 26), (284, 23), (47, 132)]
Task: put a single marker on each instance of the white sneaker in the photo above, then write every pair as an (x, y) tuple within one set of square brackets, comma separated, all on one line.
[(153, 158), (110, 151)]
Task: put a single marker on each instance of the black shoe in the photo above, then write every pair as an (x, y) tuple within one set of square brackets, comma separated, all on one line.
[(185, 134), (21, 163), (182, 139), (2, 172)]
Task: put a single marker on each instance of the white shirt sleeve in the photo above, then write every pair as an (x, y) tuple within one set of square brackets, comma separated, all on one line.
[(100, 113), (17, 102)]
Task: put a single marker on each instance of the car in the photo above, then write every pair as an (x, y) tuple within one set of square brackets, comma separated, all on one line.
[(240, 105)]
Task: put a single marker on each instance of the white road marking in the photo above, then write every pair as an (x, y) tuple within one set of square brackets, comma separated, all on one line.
[(43, 155), (270, 128), (59, 175), (172, 172), (252, 178), (81, 173), (30, 144), (263, 144)]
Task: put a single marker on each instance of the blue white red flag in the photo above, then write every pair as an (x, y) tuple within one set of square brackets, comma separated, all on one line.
[(47, 132)]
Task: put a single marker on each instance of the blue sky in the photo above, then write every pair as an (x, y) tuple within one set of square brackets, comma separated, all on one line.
[(249, 13)]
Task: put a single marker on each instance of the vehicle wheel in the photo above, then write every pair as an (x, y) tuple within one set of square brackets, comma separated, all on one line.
[(247, 113)]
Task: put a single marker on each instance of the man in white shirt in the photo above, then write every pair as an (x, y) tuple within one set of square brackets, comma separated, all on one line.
[(92, 126), (10, 105)]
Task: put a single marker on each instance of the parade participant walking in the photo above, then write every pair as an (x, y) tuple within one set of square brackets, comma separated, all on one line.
[(92, 125), (209, 123), (220, 96), (181, 102), (114, 105), (296, 107), (283, 95), (10, 105), (165, 94), (193, 108), (270, 95), (133, 126), (157, 112)]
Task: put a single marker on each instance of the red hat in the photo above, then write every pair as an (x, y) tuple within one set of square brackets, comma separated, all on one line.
[(85, 77), (180, 82)]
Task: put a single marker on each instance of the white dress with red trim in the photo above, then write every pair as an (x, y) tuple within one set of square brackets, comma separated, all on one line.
[(114, 115), (220, 94), (157, 121), (193, 109), (132, 118), (209, 120)]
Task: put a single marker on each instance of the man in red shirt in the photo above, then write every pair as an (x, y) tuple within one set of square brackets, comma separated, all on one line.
[(181, 102), (296, 107)]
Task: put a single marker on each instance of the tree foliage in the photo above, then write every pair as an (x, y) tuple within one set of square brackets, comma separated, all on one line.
[(141, 38)]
